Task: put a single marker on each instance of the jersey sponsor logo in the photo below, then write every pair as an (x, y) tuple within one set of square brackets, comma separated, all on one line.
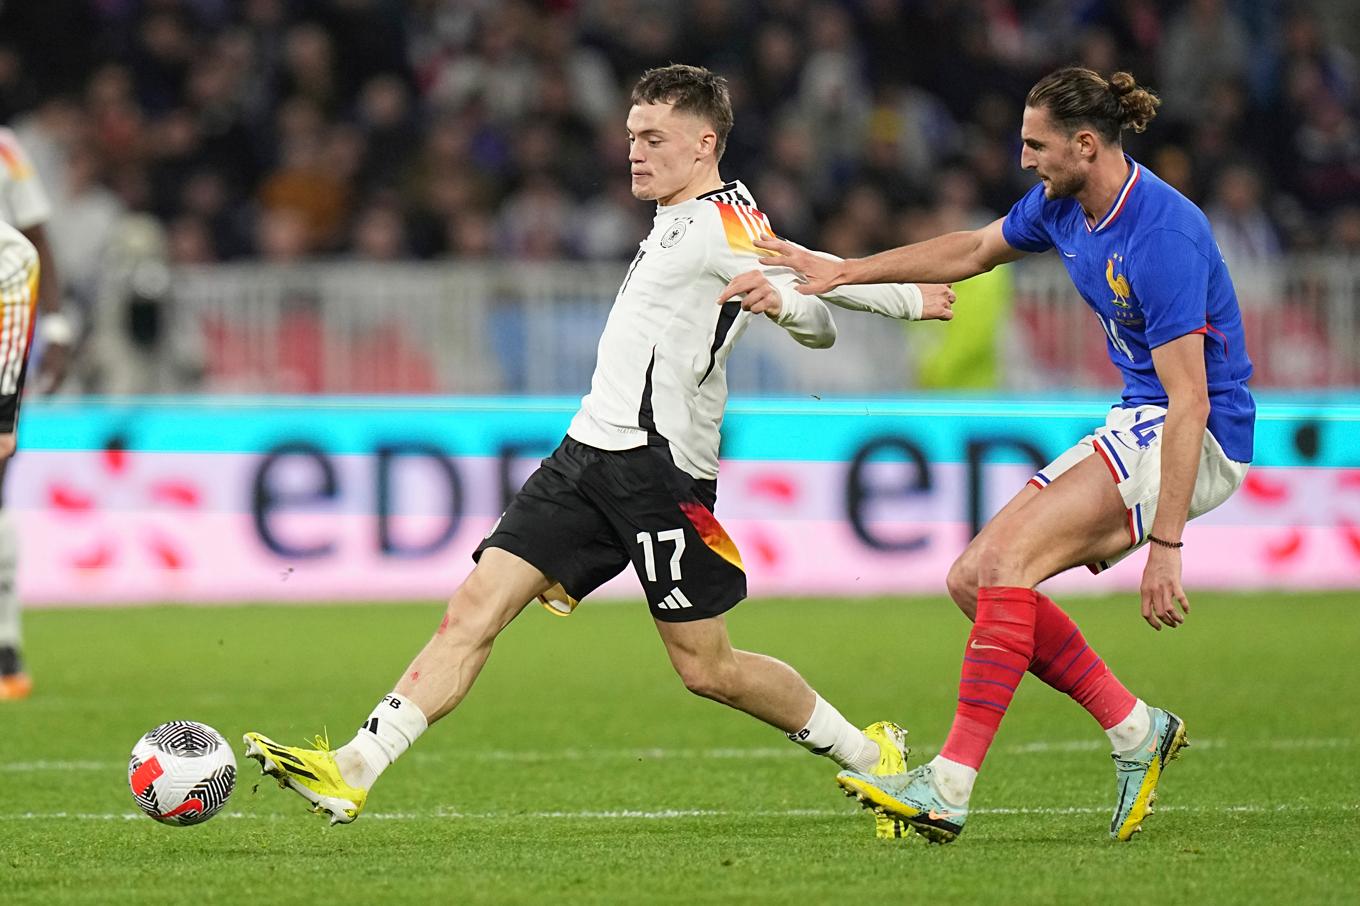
[(974, 645), (676, 600), (675, 233)]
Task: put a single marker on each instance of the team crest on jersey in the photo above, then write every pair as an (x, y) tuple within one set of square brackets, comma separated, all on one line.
[(1119, 284), (675, 233)]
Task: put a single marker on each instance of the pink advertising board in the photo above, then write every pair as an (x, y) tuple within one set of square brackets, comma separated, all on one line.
[(131, 526)]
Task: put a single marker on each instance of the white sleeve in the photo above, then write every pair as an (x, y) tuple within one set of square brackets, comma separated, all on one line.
[(22, 199), (892, 300), (806, 318)]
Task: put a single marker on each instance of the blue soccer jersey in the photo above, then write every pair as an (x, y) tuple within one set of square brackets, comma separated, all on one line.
[(1152, 272)]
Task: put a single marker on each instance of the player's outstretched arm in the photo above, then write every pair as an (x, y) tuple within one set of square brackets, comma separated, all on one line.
[(903, 301), (944, 259)]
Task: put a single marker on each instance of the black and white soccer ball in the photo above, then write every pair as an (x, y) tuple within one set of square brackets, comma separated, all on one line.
[(182, 772)]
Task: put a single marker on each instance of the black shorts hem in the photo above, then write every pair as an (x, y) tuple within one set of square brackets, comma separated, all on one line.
[(690, 615), (554, 574)]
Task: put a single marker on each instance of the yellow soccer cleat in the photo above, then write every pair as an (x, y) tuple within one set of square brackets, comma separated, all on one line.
[(1137, 773), (557, 602), (311, 773), (892, 759)]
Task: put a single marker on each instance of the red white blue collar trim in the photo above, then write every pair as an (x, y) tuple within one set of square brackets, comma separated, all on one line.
[(1119, 202)]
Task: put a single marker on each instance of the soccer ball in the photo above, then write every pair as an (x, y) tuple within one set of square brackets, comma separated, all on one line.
[(182, 772)]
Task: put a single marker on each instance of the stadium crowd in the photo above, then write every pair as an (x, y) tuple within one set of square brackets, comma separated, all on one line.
[(376, 129)]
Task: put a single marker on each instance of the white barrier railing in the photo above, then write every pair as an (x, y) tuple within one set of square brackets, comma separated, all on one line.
[(463, 328)]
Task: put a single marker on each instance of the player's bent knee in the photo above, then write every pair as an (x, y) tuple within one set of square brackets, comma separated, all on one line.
[(962, 584), (707, 680), (999, 563)]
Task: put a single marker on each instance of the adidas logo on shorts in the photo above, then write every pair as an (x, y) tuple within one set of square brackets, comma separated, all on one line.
[(676, 600)]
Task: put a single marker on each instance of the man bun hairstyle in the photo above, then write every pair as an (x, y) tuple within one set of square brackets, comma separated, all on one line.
[(690, 89), (1077, 97)]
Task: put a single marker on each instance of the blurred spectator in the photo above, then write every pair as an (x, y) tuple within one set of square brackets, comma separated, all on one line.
[(380, 233), (1343, 236), (82, 224), (1245, 234), (609, 225), (1203, 43), (139, 342), (534, 221), (234, 123), (282, 236)]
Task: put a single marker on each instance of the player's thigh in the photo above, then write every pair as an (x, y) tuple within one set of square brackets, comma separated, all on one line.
[(1080, 518), (1008, 519), (495, 592), (696, 648), (688, 565)]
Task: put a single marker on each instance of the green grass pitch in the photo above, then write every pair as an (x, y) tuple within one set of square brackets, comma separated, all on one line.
[(580, 770)]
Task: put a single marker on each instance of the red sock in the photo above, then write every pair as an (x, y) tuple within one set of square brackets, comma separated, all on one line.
[(999, 651), (1064, 661)]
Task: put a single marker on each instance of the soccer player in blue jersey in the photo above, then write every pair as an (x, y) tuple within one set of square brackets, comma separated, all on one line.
[(1175, 446)]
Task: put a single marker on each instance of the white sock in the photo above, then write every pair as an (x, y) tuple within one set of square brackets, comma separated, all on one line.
[(953, 781), (828, 733), (9, 595), (1133, 730), (394, 724)]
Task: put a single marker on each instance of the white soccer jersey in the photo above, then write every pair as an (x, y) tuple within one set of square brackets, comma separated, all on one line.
[(18, 300), (23, 203), (661, 369)]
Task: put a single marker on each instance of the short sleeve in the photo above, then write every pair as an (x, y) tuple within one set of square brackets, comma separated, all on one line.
[(1024, 227), (23, 197), (1170, 277)]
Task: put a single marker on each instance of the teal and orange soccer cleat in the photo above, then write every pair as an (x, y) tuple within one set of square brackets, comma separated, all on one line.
[(910, 797), (311, 773), (1137, 773)]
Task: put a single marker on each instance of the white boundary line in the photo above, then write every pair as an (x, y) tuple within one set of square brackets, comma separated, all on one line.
[(444, 814), (732, 754)]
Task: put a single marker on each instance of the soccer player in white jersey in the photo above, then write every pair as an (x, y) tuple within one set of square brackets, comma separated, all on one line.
[(634, 481), (24, 206)]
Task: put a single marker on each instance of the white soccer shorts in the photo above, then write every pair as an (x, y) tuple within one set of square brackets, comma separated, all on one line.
[(1130, 443)]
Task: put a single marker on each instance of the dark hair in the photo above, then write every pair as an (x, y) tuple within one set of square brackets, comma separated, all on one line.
[(1077, 97), (691, 89)]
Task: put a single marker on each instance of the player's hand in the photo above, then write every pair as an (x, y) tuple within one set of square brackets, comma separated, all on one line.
[(758, 295), (56, 359), (937, 301), (818, 274), (1161, 589), (7, 445)]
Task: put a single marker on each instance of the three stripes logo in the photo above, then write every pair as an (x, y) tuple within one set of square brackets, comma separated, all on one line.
[(676, 600)]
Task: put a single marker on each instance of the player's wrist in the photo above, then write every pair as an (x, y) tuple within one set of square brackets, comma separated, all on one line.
[(847, 272), (1165, 542)]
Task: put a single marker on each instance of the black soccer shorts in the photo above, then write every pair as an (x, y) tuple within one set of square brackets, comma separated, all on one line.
[(586, 513)]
